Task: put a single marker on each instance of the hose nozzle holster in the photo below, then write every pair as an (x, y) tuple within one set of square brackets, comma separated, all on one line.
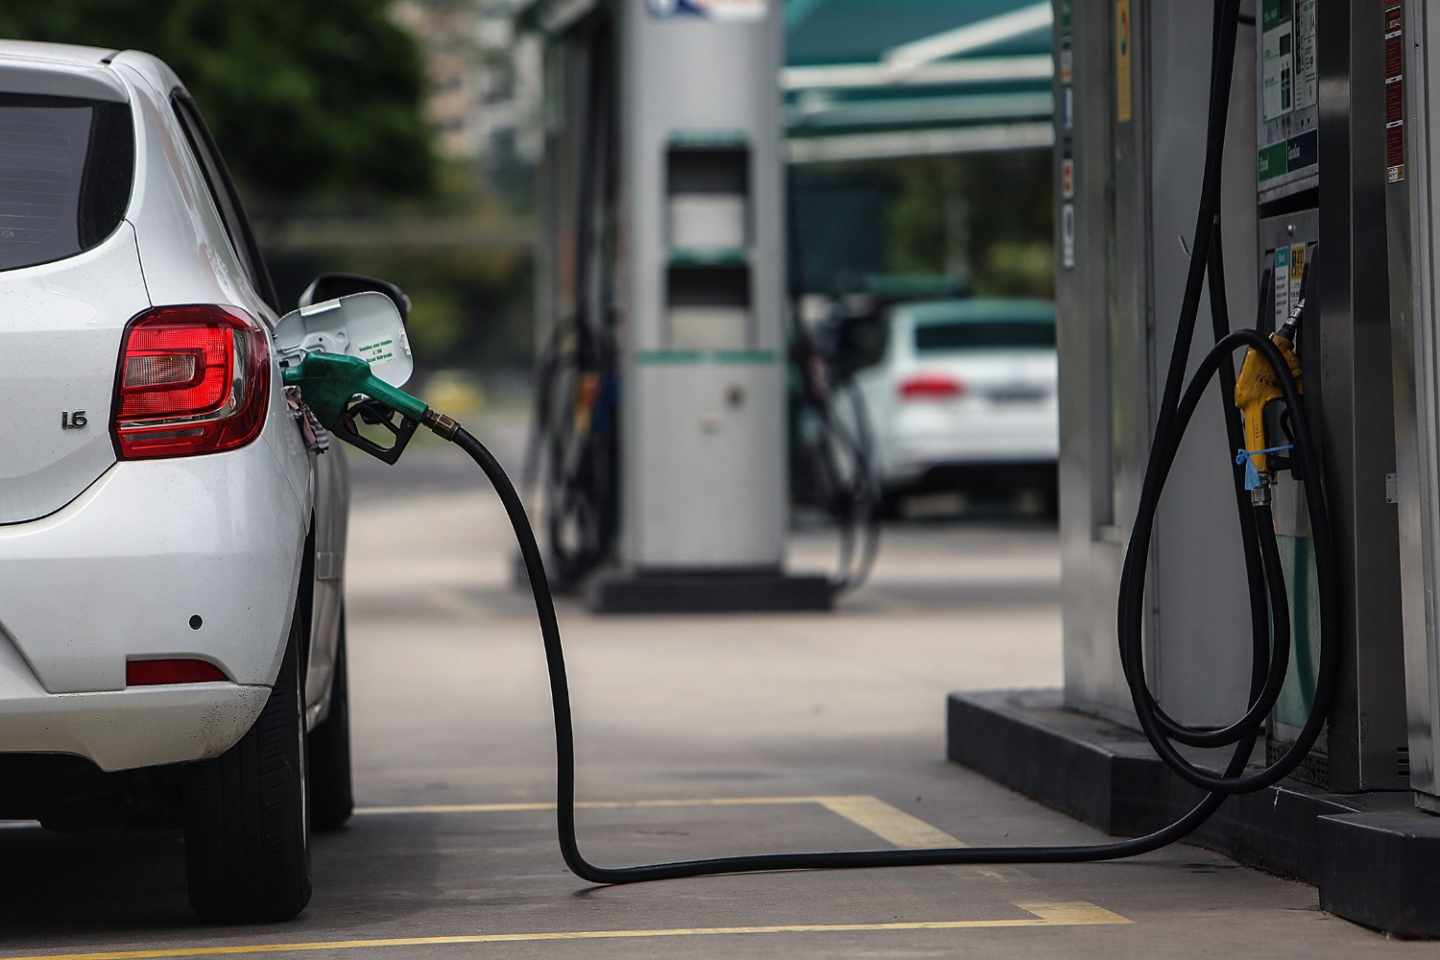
[(1255, 389)]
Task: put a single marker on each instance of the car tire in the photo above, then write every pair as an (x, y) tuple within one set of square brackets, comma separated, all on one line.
[(247, 829), (332, 796)]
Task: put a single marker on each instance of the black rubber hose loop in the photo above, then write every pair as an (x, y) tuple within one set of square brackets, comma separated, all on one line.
[(1167, 440)]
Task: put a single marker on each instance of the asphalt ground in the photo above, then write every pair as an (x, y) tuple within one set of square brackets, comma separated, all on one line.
[(697, 737)]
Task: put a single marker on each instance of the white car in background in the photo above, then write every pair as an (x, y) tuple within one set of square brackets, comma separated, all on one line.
[(172, 647), (964, 398)]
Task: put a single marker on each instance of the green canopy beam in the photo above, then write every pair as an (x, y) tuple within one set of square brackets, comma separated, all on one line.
[(916, 77)]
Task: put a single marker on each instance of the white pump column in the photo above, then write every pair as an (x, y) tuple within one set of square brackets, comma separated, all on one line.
[(700, 283)]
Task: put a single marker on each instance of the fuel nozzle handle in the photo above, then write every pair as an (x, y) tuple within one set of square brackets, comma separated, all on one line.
[(339, 388), (1258, 386)]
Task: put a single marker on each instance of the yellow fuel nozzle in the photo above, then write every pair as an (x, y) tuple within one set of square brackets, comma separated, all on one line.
[(1255, 389)]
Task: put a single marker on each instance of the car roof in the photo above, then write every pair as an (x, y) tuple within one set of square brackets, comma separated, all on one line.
[(977, 310), (67, 53), (63, 69), (59, 70)]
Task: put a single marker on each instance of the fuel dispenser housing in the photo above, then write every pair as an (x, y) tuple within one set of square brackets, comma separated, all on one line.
[(1133, 198)]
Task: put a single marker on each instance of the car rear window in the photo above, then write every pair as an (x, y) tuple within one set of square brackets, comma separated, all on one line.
[(984, 335), (65, 170)]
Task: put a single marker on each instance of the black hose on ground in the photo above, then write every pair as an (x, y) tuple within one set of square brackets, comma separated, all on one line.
[(1269, 612)]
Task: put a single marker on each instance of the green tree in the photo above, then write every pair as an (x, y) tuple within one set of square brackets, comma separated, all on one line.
[(1006, 216), (306, 98)]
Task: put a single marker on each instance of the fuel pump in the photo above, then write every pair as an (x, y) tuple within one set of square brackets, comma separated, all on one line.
[(667, 353)]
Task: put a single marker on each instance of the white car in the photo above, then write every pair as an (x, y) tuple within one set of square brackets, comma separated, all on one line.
[(172, 646), (963, 397)]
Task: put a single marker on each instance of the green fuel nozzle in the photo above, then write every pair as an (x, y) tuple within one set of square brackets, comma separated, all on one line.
[(338, 389), (329, 381)]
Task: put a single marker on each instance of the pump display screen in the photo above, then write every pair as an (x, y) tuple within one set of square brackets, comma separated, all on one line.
[(1287, 135)]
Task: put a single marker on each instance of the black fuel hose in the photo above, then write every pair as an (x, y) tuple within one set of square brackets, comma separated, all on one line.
[(565, 762), (1269, 606)]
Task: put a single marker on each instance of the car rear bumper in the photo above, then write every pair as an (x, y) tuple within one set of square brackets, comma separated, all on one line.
[(984, 477), (194, 558), (124, 729), (916, 461), (923, 440)]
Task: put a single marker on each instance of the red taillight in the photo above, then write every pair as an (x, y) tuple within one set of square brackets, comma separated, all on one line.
[(930, 386), (150, 673), (192, 379)]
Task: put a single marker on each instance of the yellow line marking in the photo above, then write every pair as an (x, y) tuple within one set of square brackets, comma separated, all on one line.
[(599, 805), (889, 823), (1041, 915), (900, 829), (1074, 913)]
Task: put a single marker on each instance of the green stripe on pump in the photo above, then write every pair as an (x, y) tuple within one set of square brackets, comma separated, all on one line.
[(708, 140), (724, 257)]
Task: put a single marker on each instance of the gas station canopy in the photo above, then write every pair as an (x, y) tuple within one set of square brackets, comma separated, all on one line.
[(910, 77), (865, 79)]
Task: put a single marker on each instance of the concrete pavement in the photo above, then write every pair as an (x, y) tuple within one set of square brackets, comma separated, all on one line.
[(697, 737)]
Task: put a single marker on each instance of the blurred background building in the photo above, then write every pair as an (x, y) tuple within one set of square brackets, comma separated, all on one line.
[(483, 76)]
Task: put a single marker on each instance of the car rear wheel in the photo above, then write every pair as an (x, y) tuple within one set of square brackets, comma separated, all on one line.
[(332, 798), (247, 829)]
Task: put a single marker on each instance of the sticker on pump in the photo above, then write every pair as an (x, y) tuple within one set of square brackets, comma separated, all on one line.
[(1394, 92), (1282, 286), (1067, 236), (1297, 275)]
